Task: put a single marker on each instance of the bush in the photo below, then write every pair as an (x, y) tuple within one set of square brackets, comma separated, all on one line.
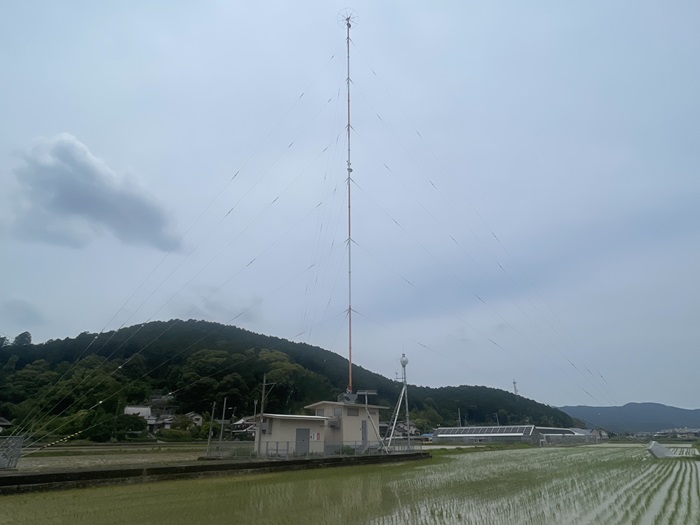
[(173, 434)]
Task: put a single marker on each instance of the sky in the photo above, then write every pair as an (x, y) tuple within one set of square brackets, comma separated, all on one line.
[(524, 193)]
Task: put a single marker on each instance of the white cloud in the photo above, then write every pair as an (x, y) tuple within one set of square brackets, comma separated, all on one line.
[(69, 197)]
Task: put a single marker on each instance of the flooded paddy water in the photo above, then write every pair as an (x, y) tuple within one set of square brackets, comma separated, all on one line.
[(586, 485)]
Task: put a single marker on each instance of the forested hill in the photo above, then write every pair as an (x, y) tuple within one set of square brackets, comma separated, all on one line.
[(200, 362), (637, 417)]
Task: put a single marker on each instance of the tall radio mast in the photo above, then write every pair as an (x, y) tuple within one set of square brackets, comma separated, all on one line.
[(349, 17)]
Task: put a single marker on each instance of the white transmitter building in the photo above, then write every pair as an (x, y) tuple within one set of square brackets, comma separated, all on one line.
[(336, 427)]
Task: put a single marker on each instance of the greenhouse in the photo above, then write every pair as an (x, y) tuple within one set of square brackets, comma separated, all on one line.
[(526, 433)]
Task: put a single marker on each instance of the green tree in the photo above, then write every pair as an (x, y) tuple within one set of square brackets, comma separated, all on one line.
[(204, 430), (426, 419), (66, 425), (85, 388), (126, 424), (22, 340), (11, 364), (182, 423), (27, 382), (98, 425)]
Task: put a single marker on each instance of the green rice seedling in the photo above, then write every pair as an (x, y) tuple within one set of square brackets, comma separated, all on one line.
[(667, 514), (529, 486)]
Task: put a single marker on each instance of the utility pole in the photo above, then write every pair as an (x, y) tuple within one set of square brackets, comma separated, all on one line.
[(459, 416), (258, 429), (211, 427), (221, 431), (255, 411), (262, 409)]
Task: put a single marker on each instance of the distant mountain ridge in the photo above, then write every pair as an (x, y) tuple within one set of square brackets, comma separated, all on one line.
[(636, 417)]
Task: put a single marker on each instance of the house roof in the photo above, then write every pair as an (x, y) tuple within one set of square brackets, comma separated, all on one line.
[(285, 416), (137, 409), (320, 404)]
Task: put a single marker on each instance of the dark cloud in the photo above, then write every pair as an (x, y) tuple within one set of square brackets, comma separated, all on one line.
[(21, 313), (69, 197)]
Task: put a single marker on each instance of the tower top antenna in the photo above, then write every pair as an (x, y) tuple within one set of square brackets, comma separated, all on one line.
[(348, 17)]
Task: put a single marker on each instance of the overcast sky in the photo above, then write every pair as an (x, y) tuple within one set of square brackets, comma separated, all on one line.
[(525, 197)]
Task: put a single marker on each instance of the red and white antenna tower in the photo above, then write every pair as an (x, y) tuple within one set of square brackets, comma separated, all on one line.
[(348, 17)]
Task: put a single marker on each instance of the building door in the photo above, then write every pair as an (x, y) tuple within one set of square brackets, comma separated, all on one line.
[(302, 447), (364, 432)]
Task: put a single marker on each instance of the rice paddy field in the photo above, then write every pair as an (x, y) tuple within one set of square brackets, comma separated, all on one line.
[(585, 485)]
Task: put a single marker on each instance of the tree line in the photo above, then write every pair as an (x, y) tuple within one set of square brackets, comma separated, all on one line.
[(81, 385)]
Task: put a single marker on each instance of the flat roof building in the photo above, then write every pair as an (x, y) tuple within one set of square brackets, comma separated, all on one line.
[(334, 426)]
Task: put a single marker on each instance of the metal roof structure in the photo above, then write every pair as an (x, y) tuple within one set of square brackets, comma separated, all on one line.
[(493, 431), (554, 431)]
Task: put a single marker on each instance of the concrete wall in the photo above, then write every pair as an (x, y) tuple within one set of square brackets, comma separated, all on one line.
[(351, 417), (281, 435), (352, 424)]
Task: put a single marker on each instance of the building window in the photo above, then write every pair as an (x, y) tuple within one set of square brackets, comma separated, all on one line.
[(337, 412), (319, 411), (353, 412)]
